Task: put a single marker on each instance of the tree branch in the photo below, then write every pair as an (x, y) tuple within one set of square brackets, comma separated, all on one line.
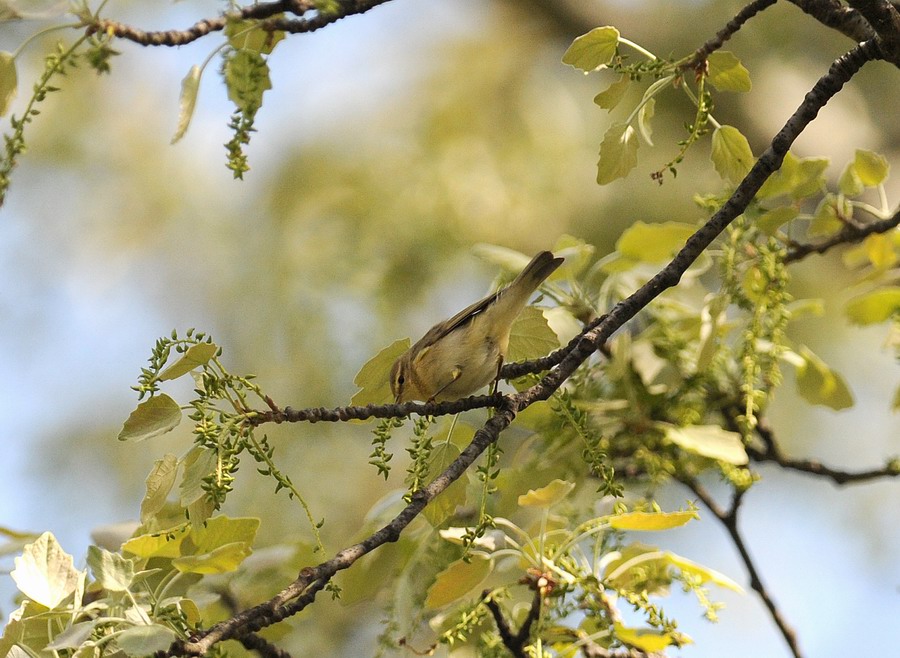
[(729, 520), (885, 20), (723, 35), (851, 233), (838, 16)]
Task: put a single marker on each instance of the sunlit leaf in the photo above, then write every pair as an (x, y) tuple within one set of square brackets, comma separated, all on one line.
[(871, 168), (612, 95), (547, 496), (222, 559), (709, 441), (593, 50), (373, 378), (248, 35), (442, 508), (874, 307), (829, 215), (195, 357), (705, 574), (190, 86), (154, 416), (530, 337), (731, 154), (198, 464), (45, 573), (578, 255), (457, 580), (8, 81), (112, 571), (158, 485), (819, 384), (160, 544), (618, 153), (247, 79), (645, 639), (849, 183), (651, 521), (726, 73), (653, 243), (880, 251)]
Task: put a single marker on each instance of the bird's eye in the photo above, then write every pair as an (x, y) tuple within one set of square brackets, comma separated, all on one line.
[(401, 380)]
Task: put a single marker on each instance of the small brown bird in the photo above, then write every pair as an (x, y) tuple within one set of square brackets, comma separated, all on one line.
[(463, 354)]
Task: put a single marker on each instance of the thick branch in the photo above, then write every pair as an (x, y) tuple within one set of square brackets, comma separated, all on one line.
[(838, 16), (730, 522), (885, 20)]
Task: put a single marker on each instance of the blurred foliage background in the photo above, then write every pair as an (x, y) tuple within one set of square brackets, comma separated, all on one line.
[(389, 145)]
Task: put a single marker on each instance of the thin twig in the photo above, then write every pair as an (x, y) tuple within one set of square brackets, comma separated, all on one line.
[(730, 29), (851, 233), (729, 519)]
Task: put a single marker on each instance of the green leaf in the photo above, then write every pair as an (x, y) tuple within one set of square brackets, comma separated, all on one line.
[(645, 639), (618, 153), (373, 378), (198, 464), (247, 79), (145, 640), (155, 416), (45, 573), (444, 506), (705, 574), (819, 384), (74, 636), (530, 337), (547, 496), (731, 154), (592, 50), (769, 222), (8, 81), (578, 255), (195, 357), (850, 184), (644, 115), (827, 220), (610, 97), (652, 521), (874, 307), (726, 73), (247, 35), (871, 168), (158, 544), (653, 243), (187, 101), (809, 177), (112, 571), (158, 484), (457, 580), (709, 441), (223, 559)]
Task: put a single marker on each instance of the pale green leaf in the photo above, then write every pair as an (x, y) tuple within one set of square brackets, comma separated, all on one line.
[(705, 574), (731, 154), (809, 177), (195, 357), (547, 496), (457, 580), (819, 384), (871, 168), (709, 441), (874, 307), (565, 325), (726, 73), (651, 521), (224, 531), (646, 639), (610, 97), (158, 485), (152, 417), (198, 464), (829, 216), (74, 636), (593, 50), (373, 378), (444, 506), (45, 573), (8, 81), (653, 243), (158, 544), (618, 153), (190, 86), (222, 559), (578, 255), (530, 337), (782, 181), (112, 571), (145, 640), (880, 251), (769, 222), (644, 116), (849, 183)]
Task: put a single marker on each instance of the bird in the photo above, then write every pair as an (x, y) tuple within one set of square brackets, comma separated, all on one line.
[(458, 356)]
